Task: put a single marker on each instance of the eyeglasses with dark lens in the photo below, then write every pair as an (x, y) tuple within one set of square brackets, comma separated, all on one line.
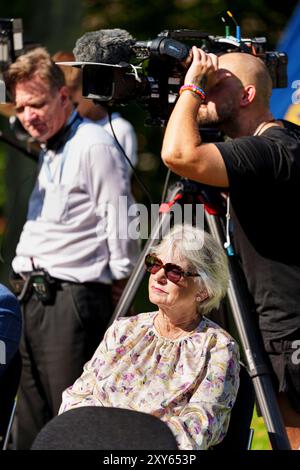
[(173, 272)]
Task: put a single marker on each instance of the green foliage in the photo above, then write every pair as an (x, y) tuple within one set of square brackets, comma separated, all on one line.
[(146, 19), (260, 438), (55, 24)]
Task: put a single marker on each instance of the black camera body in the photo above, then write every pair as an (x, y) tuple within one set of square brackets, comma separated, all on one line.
[(157, 71)]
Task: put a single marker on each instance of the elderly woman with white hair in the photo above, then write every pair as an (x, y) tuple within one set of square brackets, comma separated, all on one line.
[(173, 363)]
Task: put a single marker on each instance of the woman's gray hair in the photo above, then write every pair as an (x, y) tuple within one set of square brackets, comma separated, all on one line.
[(203, 255)]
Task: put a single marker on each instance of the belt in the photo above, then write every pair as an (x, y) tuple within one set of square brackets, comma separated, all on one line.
[(42, 284), (39, 281)]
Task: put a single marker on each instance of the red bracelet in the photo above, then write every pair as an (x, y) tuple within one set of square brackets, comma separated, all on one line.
[(193, 88)]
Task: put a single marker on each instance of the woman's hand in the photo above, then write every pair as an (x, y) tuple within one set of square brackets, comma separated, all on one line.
[(202, 69)]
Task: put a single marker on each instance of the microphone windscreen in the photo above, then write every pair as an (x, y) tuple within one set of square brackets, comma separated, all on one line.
[(109, 46)]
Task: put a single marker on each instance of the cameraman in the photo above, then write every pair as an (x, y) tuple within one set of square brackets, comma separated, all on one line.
[(261, 168), (69, 247)]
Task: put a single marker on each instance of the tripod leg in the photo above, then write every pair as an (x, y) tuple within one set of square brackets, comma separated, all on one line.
[(249, 337)]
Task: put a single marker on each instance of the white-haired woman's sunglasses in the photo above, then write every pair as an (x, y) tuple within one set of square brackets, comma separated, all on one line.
[(172, 271)]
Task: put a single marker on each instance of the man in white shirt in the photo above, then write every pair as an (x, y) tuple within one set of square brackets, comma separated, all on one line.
[(70, 244)]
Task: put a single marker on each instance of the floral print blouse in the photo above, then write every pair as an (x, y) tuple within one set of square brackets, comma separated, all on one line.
[(190, 383)]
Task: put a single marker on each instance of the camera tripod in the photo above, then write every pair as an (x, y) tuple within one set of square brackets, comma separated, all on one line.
[(237, 295)]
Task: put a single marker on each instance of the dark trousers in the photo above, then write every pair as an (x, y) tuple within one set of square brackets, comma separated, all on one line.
[(57, 341)]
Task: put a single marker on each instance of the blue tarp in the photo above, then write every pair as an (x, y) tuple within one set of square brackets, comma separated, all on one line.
[(282, 105)]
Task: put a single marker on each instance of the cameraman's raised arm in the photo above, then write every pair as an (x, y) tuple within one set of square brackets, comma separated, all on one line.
[(183, 151)]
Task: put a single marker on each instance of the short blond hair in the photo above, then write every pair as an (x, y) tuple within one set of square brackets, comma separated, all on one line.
[(36, 62)]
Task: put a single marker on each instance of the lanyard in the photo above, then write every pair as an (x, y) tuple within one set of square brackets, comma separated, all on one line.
[(72, 125)]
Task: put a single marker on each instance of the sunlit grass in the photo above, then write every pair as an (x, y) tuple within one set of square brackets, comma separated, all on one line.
[(260, 438)]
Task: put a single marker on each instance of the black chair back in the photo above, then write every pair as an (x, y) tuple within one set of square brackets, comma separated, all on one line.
[(100, 428)]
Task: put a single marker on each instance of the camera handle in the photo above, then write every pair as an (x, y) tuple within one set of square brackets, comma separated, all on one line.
[(238, 298)]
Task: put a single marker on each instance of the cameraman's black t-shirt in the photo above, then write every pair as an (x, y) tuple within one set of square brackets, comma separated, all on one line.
[(264, 179)]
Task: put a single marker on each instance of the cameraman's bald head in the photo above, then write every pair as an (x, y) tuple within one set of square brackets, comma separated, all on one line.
[(250, 70)]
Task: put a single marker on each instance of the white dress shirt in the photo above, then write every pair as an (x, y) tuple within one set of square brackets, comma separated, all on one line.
[(125, 134), (73, 211)]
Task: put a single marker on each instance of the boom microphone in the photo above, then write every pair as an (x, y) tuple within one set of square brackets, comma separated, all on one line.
[(108, 46)]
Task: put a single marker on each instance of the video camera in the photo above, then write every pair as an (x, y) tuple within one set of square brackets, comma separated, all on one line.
[(11, 46), (157, 70)]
